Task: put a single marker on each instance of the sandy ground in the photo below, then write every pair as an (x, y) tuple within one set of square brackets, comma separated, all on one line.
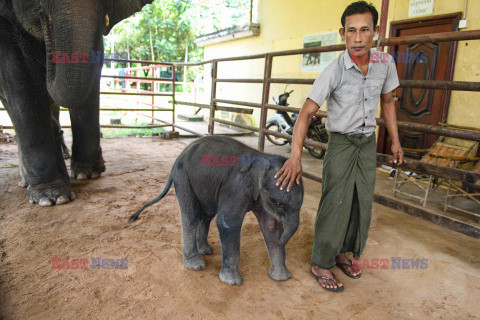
[(157, 286)]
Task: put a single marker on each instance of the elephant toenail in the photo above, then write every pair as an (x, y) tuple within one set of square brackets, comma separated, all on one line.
[(81, 176), (45, 202), (62, 200)]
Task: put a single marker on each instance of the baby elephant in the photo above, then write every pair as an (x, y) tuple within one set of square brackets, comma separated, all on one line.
[(221, 176)]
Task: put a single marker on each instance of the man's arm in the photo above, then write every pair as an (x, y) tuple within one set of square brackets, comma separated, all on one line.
[(292, 168), (390, 116)]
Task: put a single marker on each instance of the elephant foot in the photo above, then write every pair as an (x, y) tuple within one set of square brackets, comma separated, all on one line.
[(195, 263), (230, 276), (50, 193), (23, 183), (279, 273), (205, 249), (87, 170)]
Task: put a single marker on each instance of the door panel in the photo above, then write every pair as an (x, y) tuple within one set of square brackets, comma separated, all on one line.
[(429, 61)]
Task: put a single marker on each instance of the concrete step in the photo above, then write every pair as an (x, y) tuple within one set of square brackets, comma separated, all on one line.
[(191, 117)]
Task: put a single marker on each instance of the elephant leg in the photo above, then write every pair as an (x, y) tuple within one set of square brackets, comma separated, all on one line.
[(23, 183), (55, 108), (42, 166), (87, 161), (26, 99), (229, 223), (202, 235), (192, 215), (272, 231)]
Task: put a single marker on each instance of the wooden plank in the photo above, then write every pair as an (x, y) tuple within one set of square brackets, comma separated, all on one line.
[(428, 168), (403, 206)]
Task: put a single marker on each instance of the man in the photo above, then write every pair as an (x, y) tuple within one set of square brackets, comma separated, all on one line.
[(352, 85)]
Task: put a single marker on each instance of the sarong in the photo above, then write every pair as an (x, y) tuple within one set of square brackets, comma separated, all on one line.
[(344, 213)]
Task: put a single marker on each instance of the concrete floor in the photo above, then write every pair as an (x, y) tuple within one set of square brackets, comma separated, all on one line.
[(448, 288)]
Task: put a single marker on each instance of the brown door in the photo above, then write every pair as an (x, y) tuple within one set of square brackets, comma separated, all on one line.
[(429, 61)]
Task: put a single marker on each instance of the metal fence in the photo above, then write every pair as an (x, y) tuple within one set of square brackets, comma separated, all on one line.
[(264, 106), (409, 164)]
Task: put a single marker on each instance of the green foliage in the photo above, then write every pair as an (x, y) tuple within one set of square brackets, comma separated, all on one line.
[(114, 132), (161, 32), (10, 166), (166, 29), (216, 15)]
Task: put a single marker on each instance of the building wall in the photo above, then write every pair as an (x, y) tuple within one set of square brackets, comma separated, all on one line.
[(283, 24)]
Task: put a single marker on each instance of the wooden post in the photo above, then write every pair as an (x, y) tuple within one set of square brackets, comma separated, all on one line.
[(251, 11), (152, 88), (173, 96), (267, 74), (383, 21), (212, 97)]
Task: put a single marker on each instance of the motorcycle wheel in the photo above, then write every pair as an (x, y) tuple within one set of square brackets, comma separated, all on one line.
[(275, 140), (316, 152)]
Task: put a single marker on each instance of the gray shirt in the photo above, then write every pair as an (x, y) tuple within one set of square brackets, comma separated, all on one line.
[(352, 97)]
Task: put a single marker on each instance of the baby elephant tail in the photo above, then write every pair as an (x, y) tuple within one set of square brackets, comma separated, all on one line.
[(164, 192)]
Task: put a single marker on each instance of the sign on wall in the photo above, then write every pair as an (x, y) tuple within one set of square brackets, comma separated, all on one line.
[(318, 61), (420, 7)]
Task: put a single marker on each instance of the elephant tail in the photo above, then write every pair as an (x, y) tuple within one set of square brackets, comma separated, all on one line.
[(134, 216)]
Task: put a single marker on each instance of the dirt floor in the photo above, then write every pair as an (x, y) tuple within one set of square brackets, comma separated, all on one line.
[(157, 286)]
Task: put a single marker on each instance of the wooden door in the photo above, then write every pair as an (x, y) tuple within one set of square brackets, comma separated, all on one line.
[(429, 61)]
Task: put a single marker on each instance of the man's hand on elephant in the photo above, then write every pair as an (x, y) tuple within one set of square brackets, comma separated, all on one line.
[(397, 152), (289, 173)]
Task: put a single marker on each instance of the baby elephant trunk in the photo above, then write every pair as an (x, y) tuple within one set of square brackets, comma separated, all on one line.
[(290, 226)]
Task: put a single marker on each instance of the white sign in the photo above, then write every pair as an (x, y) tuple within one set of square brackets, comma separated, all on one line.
[(420, 7), (318, 61)]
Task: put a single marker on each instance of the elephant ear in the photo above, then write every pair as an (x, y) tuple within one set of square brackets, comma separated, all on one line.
[(122, 9), (257, 166)]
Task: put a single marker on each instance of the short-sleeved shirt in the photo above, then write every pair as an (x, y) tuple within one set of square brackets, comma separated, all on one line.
[(352, 97)]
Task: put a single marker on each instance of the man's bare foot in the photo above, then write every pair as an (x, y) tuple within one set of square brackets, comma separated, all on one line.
[(349, 267), (330, 284)]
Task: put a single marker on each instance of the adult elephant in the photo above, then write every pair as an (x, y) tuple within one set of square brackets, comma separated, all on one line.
[(38, 38)]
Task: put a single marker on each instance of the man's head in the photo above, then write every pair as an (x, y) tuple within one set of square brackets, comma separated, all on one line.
[(359, 25)]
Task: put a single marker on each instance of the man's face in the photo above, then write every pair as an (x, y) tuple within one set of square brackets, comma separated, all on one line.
[(358, 33)]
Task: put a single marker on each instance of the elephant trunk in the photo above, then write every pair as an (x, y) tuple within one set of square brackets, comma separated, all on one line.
[(73, 35), (290, 226)]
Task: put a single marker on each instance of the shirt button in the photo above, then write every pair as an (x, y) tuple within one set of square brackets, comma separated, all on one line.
[(365, 99)]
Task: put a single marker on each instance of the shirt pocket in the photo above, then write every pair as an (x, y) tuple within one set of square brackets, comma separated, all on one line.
[(348, 94)]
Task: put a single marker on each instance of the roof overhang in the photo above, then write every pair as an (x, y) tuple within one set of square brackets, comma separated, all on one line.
[(230, 34)]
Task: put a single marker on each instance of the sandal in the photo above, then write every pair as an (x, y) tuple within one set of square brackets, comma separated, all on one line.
[(338, 289), (342, 267)]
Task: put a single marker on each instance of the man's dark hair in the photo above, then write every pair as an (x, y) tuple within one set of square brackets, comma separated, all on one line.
[(360, 7)]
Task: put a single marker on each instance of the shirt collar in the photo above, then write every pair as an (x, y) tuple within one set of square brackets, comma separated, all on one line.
[(349, 62)]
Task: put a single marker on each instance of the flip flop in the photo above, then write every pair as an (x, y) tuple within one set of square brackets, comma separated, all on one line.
[(338, 289), (344, 270)]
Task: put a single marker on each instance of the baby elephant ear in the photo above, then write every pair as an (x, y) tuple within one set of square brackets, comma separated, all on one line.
[(259, 165), (249, 161)]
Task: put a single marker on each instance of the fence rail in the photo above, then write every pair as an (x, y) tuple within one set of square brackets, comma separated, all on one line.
[(266, 82)]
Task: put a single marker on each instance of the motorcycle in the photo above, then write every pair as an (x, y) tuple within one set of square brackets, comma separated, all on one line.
[(283, 123)]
